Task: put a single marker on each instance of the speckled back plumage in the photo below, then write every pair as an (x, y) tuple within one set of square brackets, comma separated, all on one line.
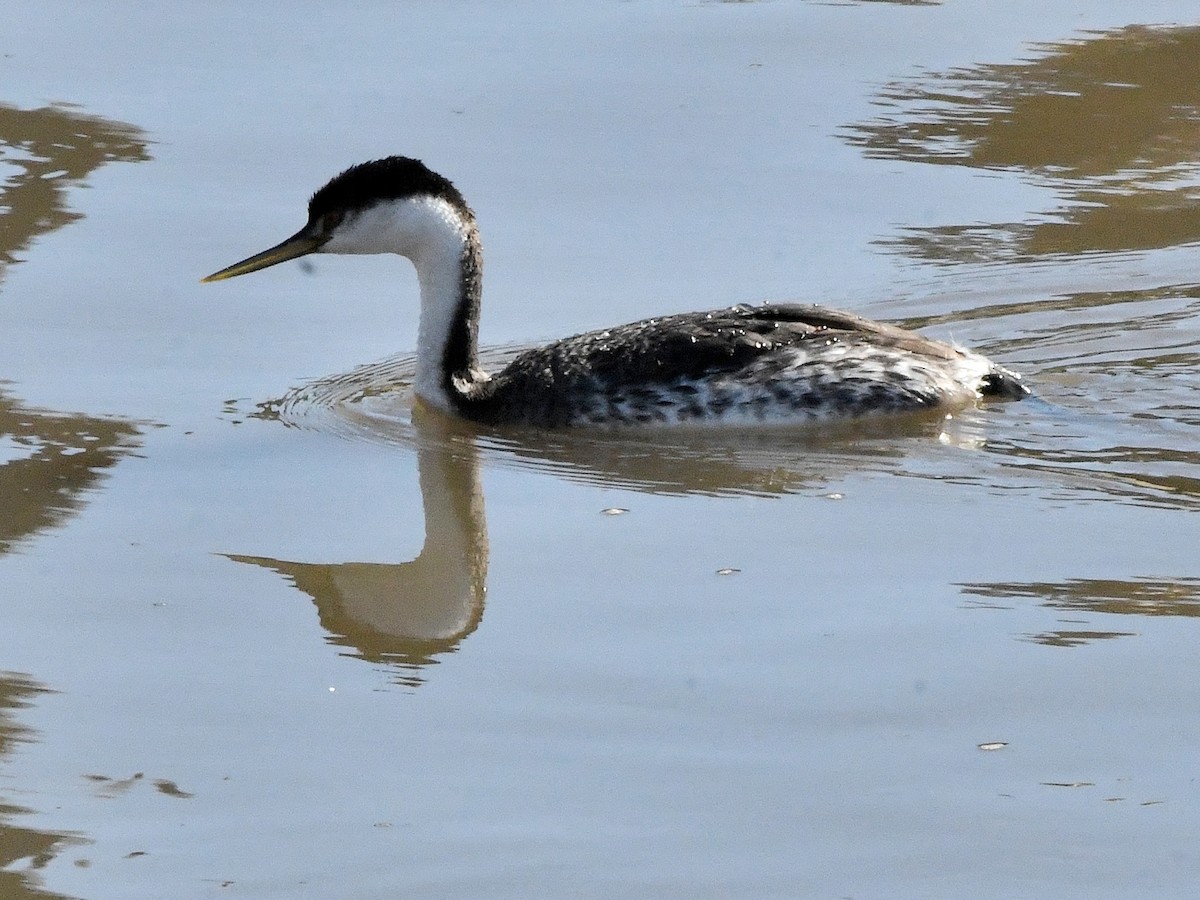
[(752, 364)]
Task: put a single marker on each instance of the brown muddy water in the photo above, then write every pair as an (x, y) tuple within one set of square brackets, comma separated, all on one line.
[(267, 633)]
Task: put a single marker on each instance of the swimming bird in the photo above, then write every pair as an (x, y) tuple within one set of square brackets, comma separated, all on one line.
[(761, 364)]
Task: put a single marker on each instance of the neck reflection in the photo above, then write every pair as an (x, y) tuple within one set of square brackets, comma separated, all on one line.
[(408, 614)]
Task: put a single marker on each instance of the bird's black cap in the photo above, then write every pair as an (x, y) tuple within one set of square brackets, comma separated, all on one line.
[(393, 178)]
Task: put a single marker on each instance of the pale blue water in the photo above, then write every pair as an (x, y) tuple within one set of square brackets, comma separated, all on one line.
[(267, 637)]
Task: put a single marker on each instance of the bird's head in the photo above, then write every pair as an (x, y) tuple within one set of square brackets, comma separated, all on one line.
[(392, 205)]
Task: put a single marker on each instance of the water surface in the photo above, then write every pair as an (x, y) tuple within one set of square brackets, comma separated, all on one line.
[(271, 633)]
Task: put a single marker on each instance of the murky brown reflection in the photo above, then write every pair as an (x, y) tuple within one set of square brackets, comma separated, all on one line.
[(1135, 597), (714, 463), (56, 460), (53, 149), (1111, 123), (374, 402), (1074, 638), (24, 852), (49, 461), (408, 614)]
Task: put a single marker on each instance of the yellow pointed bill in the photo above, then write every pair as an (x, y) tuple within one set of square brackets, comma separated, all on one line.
[(299, 244)]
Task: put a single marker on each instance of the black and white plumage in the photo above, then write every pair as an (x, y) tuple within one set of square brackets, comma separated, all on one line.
[(773, 363)]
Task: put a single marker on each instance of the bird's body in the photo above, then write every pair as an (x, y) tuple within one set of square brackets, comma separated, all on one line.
[(773, 363), (742, 365)]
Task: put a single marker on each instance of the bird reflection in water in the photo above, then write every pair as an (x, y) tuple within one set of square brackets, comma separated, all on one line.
[(408, 614)]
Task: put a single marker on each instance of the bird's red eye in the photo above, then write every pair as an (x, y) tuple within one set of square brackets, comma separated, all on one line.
[(331, 220)]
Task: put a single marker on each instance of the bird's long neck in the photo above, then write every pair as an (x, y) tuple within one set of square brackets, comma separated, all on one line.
[(449, 263)]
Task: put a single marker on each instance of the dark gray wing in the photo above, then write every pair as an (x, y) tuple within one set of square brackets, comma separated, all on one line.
[(696, 344)]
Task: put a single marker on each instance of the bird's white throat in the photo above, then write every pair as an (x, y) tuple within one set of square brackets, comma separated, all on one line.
[(438, 239)]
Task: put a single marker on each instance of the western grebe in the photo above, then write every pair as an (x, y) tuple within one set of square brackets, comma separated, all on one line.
[(773, 363)]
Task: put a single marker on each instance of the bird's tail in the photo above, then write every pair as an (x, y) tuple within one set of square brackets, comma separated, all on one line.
[(1003, 383)]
